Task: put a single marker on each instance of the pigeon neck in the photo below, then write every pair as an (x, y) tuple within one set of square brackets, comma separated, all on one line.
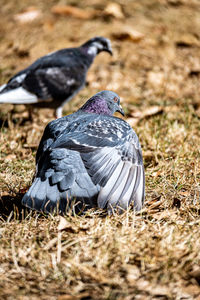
[(90, 51), (97, 105)]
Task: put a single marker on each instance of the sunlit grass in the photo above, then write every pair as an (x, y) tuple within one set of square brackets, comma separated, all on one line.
[(154, 254)]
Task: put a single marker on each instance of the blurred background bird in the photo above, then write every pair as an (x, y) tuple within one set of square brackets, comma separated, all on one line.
[(55, 78), (90, 156)]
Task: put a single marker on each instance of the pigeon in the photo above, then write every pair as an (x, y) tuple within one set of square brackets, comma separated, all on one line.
[(54, 79), (89, 159)]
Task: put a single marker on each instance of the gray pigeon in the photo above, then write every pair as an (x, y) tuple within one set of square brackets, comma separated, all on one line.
[(54, 79), (91, 157)]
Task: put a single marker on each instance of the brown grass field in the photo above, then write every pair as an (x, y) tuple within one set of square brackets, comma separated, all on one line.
[(154, 254)]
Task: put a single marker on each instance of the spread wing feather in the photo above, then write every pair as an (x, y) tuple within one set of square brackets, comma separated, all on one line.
[(97, 160), (113, 161), (61, 178)]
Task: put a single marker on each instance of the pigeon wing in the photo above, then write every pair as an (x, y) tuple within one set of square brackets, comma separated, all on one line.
[(51, 132), (54, 82), (111, 153), (60, 179)]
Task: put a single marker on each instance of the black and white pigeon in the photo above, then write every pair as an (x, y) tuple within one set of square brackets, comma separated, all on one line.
[(90, 156), (54, 79)]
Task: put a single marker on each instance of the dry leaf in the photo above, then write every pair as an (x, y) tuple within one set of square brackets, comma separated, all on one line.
[(51, 244), (133, 274), (172, 108), (143, 285), (68, 10), (19, 108), (77, 297), (155, 204), (184, 193), (32, 146), (159, 291), (10, 157), (132, 121), (148, 154), (65, 225), (139, 115), (187, 40), (166, 214), (128, 33), (115, 10), (156, 174), (20, 115), (195, 272), (5, 108), (29, 15), (147, 112), (67, 297), (190, 291)]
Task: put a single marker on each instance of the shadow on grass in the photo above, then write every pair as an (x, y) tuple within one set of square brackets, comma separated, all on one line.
[(4, 121), (11, 207)]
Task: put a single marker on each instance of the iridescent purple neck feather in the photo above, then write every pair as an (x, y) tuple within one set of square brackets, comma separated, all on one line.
[(97, 105)]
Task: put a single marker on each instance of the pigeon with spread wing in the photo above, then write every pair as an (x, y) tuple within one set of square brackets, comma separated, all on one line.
[(91, 157)]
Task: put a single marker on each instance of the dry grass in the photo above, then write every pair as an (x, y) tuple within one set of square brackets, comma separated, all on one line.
[(156, 253)]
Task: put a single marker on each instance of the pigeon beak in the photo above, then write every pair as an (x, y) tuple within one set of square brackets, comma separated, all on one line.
[(109, 50), (120, 110)]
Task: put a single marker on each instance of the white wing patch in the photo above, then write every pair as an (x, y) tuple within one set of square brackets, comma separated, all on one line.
[(18, 96), (19, 78)]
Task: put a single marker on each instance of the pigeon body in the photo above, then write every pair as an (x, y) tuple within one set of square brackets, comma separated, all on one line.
[(54, 79), (90, 156)]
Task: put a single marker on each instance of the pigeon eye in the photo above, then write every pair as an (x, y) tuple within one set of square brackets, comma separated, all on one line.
[(115, 100)]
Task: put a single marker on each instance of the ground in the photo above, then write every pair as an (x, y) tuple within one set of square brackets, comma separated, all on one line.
[(154, 254)]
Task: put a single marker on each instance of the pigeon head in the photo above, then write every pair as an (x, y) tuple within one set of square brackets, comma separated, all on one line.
[(105, 102), (96, 45)]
